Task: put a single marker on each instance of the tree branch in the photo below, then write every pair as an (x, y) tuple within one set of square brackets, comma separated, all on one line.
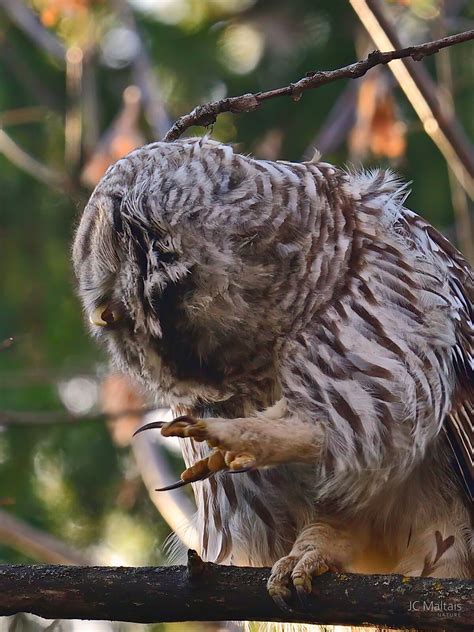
[(46, 417), (207, 114), (28, 22), (39, 545), (21, 159), (423, 94), (145, 76), (205, 592)]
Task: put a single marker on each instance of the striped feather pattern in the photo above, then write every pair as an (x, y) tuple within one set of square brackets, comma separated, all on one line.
[(238, 283)]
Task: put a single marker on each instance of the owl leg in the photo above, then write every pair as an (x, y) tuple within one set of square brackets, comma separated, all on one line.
[(439, 552), (319, 548), (253, 442)]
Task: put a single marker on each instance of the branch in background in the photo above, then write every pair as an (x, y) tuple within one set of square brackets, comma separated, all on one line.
[(207, 114), (422, 93), (73, 118), (145, 77), (464, 226), (27, 21), (40, 417), (21, 116), (30, 81), (174, 506), (204, 592), (36, 544), (21, 159), (118, 392)]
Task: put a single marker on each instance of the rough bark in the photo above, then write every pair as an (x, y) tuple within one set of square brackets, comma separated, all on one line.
[(207, 592)]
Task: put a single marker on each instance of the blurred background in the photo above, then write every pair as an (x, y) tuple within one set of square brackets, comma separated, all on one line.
[(83, 82)]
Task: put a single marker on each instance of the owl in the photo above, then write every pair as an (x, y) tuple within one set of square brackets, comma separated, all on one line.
[(315, 340)]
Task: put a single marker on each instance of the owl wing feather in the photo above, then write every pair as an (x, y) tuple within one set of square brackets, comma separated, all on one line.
[(459, 422)]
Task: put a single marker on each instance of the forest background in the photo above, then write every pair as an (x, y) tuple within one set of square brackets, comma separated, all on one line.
[(83, 82)]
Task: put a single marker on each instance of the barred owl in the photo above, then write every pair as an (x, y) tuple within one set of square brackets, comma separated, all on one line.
[(315, 337)]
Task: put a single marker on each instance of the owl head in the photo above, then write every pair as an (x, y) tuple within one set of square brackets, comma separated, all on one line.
[(173, 260)]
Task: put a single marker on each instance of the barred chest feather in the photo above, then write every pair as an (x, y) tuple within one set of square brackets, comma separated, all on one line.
[(244, 283)]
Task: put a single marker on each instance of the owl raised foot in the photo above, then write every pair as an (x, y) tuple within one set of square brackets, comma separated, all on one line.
[(234, 449)]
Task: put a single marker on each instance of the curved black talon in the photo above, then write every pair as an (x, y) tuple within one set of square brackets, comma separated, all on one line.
[(304, 599), (181, 483), (172, 486), (284, 606), (150, 426)]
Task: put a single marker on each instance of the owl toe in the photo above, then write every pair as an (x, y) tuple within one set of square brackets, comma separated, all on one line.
[(278, 582), (178, 427), (298, 570)]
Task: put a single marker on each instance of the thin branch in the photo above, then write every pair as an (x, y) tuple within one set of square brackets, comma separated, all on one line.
[(21, 159), (24, 75), (422, 93), (207, 114), (46, 417), (35, 543), (174, 506), (204, 592), (117, 393), (27, 21), (22, 116), (464, 227), (145, 77)]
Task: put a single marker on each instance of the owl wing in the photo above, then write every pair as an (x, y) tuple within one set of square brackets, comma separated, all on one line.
[(459, 422)]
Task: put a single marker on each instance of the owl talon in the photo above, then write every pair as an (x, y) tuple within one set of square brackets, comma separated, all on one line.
[(149, 426), (242, 463), (298, 569), (179, 427), (303, 584), (280, 596), (176, 485)]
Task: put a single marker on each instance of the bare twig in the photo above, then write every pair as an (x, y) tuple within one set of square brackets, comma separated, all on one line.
[(22, 72), (20, 116), (35, 543), (206, 592), (119, 392), (21, 159), (174, 506), (73, 118), (40, 417), (145, 77), (28, 22), (207, 114), (422, 93), (464, 227)]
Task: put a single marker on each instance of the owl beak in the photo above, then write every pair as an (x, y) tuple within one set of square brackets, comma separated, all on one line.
[(103, 316)]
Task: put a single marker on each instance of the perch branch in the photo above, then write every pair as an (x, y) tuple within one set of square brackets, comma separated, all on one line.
[(207, 114), (205, 592)]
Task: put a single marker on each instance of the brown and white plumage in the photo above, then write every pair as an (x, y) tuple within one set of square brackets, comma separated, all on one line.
[(324, 334)]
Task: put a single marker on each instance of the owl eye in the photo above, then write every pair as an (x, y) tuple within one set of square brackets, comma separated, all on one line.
[(104, 316)]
